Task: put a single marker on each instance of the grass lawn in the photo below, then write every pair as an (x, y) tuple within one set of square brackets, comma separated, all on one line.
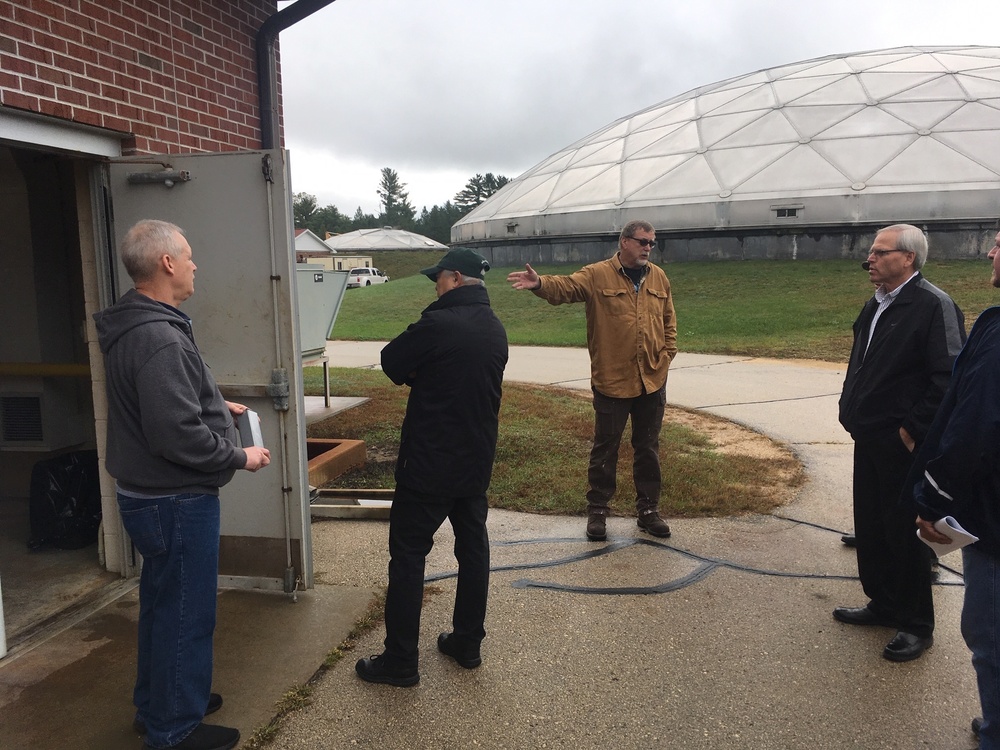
[(781, 309), (542, 450)]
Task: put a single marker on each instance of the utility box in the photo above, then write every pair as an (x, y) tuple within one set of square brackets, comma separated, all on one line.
[(320, 293)]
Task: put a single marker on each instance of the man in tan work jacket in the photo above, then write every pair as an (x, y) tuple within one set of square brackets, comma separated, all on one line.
[(632, 338)]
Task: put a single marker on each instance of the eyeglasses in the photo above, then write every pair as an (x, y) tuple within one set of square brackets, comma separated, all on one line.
[(883, 253), (651, 244)]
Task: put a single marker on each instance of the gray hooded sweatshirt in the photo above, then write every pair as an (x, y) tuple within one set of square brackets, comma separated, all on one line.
[(169, 429)]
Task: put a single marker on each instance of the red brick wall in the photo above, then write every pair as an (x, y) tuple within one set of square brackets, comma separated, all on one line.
[(174, 75)]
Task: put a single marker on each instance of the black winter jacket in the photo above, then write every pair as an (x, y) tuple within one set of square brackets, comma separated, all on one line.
[(902, 378), (453, 359), (957, 471)]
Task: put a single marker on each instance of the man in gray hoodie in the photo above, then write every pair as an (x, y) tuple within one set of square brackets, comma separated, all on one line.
[(171, 445)]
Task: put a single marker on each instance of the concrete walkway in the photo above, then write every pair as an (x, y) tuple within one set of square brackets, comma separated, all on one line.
[(720, 637)]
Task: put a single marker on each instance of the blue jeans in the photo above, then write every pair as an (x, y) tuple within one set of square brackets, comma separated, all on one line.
[(981, 630), (178, 538)]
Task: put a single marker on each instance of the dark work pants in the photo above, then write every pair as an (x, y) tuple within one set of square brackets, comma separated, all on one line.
[(610, 416), (894, 566), (413, 520)]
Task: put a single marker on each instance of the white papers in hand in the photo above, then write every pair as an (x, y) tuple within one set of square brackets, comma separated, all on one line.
[(954, 531)]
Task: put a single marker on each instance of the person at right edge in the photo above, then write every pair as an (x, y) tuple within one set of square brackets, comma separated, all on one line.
[(632, 338), (905, 343), (957, 473)]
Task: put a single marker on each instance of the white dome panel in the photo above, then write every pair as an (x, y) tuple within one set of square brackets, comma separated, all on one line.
[(873, 61), (943, 88), (603, 153), (604, 188), (735, 165), (790, 89), (914, 64), (925, 161), (638, 173), (811, 121), (881, 85), (571, 179), (714, 129), (845, 91), (860, 158), (761, 97), (800, 169), (976, 87), (972, 116), (636, 142), (979, 146), (771, 128), (922, 115), (682, 112), (838, 66), (871, 121), (693, 177), (708, 103), (681, 141)]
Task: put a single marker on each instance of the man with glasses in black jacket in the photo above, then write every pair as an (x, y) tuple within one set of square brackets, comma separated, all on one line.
[(905, 343)]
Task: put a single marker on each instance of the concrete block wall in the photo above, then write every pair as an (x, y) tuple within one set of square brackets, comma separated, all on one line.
[(174, 76)]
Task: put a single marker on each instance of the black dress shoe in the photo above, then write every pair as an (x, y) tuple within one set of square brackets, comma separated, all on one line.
[(466, 657), (849, 540), (861, 616), (977, 724), (206, 737), (906, 647), (375, 669), (214, 704)]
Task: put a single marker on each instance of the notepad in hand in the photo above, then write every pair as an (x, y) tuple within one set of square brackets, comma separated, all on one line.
[(248, 424), (954, 531)]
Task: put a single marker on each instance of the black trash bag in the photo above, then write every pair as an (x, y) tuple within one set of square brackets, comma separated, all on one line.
[(65, 503)]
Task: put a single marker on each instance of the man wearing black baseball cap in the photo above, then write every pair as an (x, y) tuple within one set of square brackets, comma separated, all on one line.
[(453, 359), (467, 262)]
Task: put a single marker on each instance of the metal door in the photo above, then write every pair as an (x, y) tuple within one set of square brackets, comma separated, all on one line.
[(235, 210)]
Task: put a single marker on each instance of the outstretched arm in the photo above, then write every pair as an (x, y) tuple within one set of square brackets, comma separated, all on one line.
[(526, 279)]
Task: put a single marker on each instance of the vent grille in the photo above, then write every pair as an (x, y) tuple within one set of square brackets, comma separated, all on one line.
[(21, 418)]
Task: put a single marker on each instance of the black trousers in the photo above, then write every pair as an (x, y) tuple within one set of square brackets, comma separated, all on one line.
[(610, 416), (894, 566), (413, 520)]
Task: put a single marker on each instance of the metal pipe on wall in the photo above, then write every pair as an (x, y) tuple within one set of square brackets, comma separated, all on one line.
[(267, 69)]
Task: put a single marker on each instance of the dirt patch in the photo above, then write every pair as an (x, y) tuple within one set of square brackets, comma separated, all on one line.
[(784, 473)]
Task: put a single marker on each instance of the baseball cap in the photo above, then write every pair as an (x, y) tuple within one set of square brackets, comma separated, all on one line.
[(462, 259)]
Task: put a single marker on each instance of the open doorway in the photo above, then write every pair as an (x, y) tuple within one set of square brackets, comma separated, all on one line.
[(46, 399)]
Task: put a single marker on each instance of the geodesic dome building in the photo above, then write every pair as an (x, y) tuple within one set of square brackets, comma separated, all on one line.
[(801, 160)]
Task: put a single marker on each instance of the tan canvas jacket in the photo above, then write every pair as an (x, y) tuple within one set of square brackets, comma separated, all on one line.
[(632, 337)]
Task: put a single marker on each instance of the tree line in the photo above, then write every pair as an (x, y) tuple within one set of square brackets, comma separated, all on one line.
[(396, 211)]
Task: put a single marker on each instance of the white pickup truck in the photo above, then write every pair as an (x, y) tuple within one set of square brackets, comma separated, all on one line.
[(365, 277)]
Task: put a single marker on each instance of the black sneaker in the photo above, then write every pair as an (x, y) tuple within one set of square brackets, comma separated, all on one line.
[(374, 669), (650, 522), (466, 657), (206, 737), (214, 704)]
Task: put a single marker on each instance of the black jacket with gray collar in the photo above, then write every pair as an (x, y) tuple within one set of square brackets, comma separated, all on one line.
[(901, 379)]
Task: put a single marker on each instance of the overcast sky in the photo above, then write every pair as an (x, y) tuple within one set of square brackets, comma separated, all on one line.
[(440, 90)]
